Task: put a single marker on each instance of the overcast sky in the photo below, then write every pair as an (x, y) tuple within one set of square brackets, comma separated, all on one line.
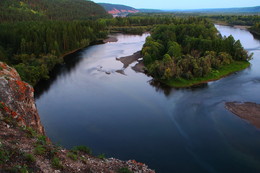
[(184, 4)]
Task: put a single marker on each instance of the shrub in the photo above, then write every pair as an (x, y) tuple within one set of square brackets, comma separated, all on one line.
[(30, 158), (82, 148)]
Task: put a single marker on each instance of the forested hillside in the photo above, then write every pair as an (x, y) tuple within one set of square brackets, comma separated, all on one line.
[(24, 10), (35, 33), (35, 47)]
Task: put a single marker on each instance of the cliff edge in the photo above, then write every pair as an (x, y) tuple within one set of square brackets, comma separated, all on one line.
[(24, 146)]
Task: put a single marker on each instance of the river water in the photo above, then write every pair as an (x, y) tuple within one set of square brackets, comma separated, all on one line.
[(128, 116)]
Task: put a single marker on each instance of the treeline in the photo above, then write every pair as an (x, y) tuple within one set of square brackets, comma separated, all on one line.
[(248, 20), (139, 24), (35, 47), (190, 49), (256, 29), (28, 10)]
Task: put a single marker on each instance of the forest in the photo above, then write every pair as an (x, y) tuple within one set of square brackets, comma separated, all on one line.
[(191, 52), (248, 20), (28, 10), (35, 47), (35, 34)]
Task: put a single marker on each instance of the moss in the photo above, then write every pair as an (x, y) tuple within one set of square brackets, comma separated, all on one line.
[(214, 75)]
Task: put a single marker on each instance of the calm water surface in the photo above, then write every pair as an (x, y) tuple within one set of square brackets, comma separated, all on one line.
[(130, 117)]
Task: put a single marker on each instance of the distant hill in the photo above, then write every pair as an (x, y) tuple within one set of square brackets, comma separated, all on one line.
[(24, 10), (118, 10), (255, 10), (144, 10)]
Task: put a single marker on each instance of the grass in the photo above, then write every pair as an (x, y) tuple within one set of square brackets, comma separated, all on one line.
[(101, 156), (56, 163), (124, 170), (214, 75), (72, 156), (1, 105), (39, 150), (81, 148)]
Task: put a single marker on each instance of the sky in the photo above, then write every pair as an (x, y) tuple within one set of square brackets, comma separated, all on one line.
[(183, 4)]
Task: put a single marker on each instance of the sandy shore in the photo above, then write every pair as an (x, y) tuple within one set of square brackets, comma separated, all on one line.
[(110, 39), (139, 67), (241, 27), (127, 60), (247, 110)]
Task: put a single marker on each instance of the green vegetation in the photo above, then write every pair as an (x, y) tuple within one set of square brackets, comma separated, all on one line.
[(124, 170), (248, 20), (30, 158), (35, 34), (101, 156), (81, 148), (39, 150), (56, 163), (256, 29), (24, 10), (192, 52), (72, 156), (213, 75), (34, 48)]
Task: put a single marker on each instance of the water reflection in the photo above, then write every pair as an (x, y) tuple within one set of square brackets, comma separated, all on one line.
[(133, 117), (70, 62)]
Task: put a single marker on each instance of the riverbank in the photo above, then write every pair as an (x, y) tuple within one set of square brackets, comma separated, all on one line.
[(214, 75), (248, 111), (32, 151), (127, 60)]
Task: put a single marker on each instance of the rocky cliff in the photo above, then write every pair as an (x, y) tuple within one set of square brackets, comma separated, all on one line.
[(24, 146), (17, 99)]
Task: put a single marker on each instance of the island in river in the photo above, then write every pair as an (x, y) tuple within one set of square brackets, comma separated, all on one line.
[(191, 53)]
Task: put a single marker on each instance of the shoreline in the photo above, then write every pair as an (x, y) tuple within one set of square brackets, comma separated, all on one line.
[(127, 60), (183, 83), (246, 110)]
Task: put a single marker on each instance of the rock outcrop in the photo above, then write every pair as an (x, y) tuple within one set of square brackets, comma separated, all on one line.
[(24, 146), (17, 99)]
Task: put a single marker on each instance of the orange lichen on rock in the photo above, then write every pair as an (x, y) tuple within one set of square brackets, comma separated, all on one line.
[(17, 99)]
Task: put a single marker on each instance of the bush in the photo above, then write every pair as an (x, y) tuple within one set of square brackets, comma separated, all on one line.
[(30, 158), (82, 148)]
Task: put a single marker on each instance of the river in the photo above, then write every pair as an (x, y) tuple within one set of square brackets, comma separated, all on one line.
[(127, 116)]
